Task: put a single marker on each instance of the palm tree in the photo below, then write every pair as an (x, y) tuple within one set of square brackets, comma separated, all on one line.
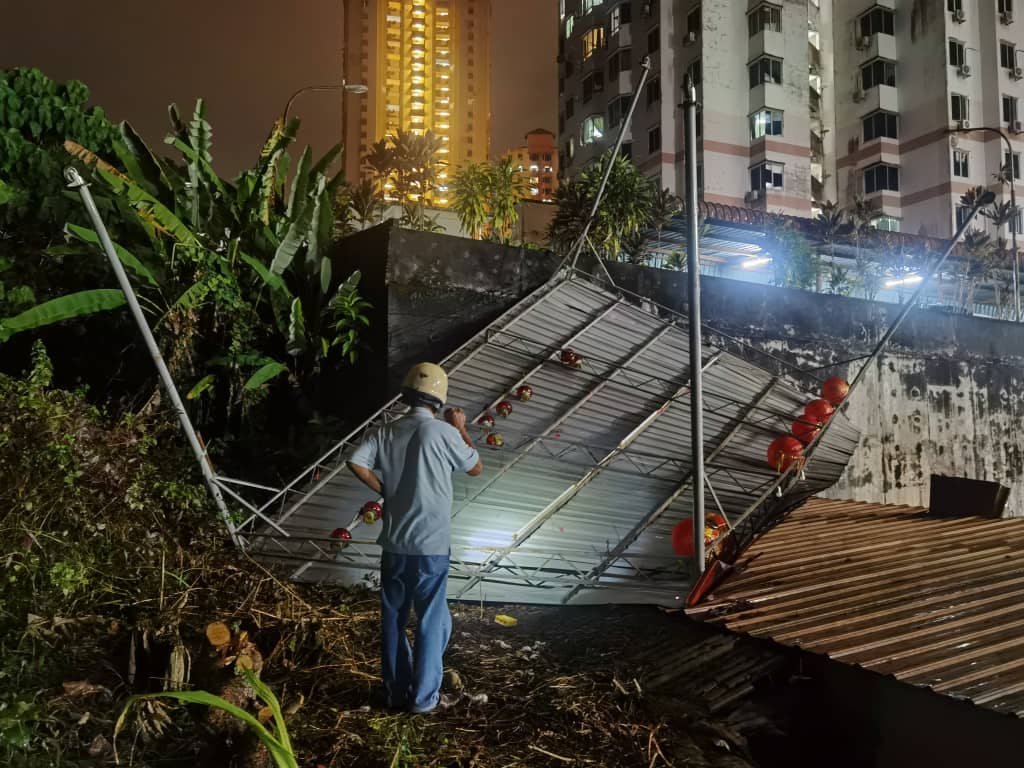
[(979, 266), (664, 207), (366, 202), (470, 186), (380, 160), (505, 189), (862, 215), (415, 162), (833, 228)]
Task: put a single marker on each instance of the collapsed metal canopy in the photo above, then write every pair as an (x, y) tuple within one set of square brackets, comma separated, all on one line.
[(579, 503)]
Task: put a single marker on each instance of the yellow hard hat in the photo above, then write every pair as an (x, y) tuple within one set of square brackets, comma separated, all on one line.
[(429, 381)]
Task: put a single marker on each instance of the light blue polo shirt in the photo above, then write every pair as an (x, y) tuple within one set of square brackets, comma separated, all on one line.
[(415, 458)]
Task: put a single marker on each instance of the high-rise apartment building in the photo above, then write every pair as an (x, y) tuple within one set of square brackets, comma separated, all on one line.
[(427, 65), (537, 162), (802, 100)]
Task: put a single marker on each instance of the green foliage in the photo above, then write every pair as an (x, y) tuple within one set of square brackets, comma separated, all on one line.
[(406, 166), (626, 208), (794, 264), (277, 741), (505, 188), (469, 188), (485, 196)]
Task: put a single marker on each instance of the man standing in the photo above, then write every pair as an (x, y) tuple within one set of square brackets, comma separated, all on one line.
[(415, 458)]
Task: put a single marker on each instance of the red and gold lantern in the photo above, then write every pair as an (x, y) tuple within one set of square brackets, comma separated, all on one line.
[(784, 452), (524, 392), (805, 430), (835, 390), (571, 359), (371, 512), (341, 537), (819, 411), (495, 440), (486, 421), (504, 409)]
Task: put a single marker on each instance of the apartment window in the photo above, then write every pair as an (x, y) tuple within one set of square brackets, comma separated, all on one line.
[(877, 21), (1010, 110), (652, 91), (592, 83), (766, 70), (619, 15), (1007, 59), (957, 56), (959, 107), (617, 109), (619, 62), (654, 139), (568, 27), (653, 40), (878, 72), (962, 212), (588, 6), (954, 5), (1017, 222), (570, 68), (626, 150), (695, 72), (1006, 6), (961, 163), (593, 41), (561, 9), (881, 177), (764, 18), (887, 223), (1014, 161), (767, 122), (591, 129), (570, 107), (879, 125), (693, 22), (570, 148), (767, 176)]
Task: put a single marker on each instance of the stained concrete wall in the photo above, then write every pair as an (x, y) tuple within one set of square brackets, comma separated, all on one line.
[(945, 396)]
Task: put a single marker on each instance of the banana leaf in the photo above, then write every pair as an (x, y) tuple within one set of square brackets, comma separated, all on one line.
[(296, 235), (201, 386), (146, 169), (313, 236), (296, 330), (150, 208), (89, 157), (269, 278), (325, 162), (325, 275), (7, 193), (266, 171), (300, 183), (265, 374), (62, 308), (128, 259)]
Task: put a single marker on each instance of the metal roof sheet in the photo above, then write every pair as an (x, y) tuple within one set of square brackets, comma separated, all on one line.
[(934, 602), (580, 502)]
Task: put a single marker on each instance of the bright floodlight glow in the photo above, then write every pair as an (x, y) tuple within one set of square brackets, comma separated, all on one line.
[(756, 261), (908, 280)]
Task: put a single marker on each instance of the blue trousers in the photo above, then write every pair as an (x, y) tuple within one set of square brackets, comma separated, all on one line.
[(412, 675)]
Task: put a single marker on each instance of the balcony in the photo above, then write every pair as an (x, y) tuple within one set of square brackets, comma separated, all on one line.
[(766, 95), (767, 43), (880, 97), (623, 38), (877, 46)]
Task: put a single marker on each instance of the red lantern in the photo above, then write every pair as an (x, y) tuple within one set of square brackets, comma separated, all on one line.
[(805, 430), (571, 359), (486, 421), (715, 520), (819, 411), (783, 452), (682, 538), (524, 392), (341, 538), (495, 440), (504, 408), (371, 512), (835, 390)]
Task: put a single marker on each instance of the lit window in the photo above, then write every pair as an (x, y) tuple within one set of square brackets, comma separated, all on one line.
[(620, 15), (593, 41), (764, 18), (887, 223), (881, 177), (766, 122), (591, 129), (568, 27), (589, 5), (767, 176)]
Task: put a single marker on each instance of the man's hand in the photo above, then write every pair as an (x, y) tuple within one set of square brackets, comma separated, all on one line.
[(456, 417)]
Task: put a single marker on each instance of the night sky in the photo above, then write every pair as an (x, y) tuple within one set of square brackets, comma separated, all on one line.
[(246, 58)]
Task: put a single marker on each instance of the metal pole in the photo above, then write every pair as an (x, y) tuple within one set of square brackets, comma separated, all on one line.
[(693, 270), (75, 181), (574, 254)]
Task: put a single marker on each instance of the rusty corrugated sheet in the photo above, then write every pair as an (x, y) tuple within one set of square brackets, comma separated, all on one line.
[(934, 602)]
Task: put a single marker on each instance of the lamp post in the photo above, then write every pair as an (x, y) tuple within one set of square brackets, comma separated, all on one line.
[(1013, 204), (345, 87)]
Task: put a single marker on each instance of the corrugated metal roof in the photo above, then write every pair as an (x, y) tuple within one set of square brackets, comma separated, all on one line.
[(934, 602), (580, 502)]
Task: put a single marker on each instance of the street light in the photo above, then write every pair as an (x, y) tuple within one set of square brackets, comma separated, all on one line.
[(345, 87), (1013, 205)]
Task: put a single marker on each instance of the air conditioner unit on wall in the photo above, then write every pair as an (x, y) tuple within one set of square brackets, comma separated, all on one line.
[(753, 196), (691, 38), (959, 16), (1016, 126), (963, 124), (1006, 17), (863, 42), (859, 95), (1018, 73), (964, 70)]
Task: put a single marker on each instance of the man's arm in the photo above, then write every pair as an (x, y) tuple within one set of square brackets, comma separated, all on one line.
[(457, 418), (368, 477)]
